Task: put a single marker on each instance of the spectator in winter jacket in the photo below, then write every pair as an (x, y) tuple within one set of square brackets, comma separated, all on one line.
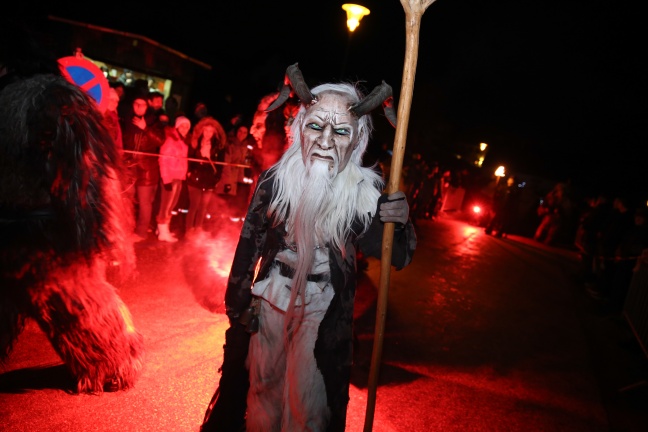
[(208, 143), (142, 141), (173, 171)]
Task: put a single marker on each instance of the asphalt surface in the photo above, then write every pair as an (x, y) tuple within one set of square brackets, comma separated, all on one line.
[(481, 334)]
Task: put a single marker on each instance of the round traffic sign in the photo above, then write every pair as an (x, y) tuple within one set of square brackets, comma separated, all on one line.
[(88, 77)]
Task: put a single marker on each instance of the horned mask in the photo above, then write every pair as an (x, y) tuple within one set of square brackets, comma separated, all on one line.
[(294, 84)]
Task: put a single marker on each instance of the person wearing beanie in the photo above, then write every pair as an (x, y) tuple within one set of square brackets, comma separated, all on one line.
[(182, 120), (173, 170)]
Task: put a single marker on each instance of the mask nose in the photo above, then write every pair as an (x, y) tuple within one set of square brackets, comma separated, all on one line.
[(326, 142)]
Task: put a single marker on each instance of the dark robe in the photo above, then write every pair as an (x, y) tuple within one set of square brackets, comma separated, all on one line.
[(333, 349)]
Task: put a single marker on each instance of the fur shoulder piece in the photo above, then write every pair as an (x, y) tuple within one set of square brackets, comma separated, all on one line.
[(57, 155)]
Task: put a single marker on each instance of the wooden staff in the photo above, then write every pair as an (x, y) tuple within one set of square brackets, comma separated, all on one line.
[(414, 10)]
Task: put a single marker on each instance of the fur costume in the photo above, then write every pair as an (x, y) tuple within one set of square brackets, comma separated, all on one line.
[(62, 220), (349, 217)]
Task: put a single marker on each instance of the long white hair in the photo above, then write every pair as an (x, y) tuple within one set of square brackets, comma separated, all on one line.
[(321, 212)]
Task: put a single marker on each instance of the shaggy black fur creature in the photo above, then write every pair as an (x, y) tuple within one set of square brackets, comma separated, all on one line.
[(63, 219)]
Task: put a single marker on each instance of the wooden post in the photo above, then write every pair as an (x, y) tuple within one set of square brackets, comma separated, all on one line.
[(414, 10)]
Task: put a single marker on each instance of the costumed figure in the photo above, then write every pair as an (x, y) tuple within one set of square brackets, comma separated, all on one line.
[(269, 130), (290, 293), (63, 221)]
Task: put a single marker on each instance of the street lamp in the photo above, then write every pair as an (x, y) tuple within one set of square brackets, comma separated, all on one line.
[(354, 13), (482, 154), (499, 173)]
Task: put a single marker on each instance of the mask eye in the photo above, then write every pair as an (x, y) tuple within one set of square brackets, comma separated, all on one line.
[(342, 131), (314, 126)]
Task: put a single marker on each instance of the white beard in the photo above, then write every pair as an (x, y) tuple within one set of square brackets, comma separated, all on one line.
[(318, 207), (319, 169), (305, 229), (332, 167), (326, 202), (317, 194)]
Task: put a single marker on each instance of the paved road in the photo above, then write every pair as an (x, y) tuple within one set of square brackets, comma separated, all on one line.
[(482, 334)]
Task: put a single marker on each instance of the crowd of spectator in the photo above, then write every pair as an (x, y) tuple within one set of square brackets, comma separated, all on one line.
[(607, 230), (186, 169), (202, 169)]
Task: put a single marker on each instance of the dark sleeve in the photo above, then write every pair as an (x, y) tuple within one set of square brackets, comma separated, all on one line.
[(404, 241), (248, 252), (220, 156), (191, 154), (129, 135), (155, 138)]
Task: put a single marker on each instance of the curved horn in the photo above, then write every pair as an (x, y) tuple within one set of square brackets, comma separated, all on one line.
[(299, 84), (293, 81), (390, 112), (284, 94), (382, 94)]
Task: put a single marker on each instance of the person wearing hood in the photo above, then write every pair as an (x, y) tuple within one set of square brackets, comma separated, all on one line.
[(206, 154)]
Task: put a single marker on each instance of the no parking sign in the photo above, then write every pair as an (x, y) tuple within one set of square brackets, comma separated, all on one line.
[(88, 77)]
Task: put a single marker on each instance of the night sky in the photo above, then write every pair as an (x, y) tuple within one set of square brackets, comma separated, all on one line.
[(557, 89)]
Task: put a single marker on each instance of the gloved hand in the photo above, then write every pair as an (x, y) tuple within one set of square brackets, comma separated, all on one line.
[(227, 188), (168, 187), (395, 209)]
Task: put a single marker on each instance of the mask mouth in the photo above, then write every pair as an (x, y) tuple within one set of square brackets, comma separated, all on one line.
[(322, 164), (317, 157), (322, 157)]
